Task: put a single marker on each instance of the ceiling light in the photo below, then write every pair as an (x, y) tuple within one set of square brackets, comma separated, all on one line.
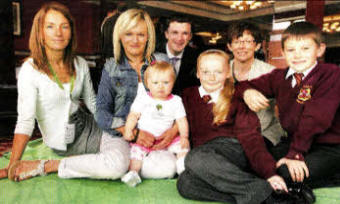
[(331, 24), (249, 5), (204, 34)]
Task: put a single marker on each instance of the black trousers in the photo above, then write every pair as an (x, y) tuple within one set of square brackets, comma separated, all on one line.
[(219, 171), (322, 160)]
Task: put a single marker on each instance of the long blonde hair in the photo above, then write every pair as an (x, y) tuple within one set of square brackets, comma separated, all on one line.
[(36, 41), (222, 106), (125, 22)]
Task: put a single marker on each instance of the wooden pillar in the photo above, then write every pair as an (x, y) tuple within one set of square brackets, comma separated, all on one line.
[(315, 11)]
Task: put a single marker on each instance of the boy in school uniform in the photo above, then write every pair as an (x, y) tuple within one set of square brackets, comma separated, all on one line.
[(308, 98)]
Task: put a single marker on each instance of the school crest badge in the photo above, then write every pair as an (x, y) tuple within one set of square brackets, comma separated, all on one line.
[(304, 95)]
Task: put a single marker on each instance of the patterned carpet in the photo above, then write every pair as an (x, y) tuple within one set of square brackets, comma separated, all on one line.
[(6, 143)]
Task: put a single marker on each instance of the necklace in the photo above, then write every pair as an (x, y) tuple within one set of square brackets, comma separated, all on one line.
[(56, 79)]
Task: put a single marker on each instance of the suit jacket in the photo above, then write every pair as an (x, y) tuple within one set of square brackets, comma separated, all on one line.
[(187, 72)]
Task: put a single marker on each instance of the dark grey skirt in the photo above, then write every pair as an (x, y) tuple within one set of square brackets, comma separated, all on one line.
[(87, 134)]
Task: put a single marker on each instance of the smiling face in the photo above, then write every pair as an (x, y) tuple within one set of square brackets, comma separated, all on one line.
[(56, 31), (134, 40), (160, 84), (302, 52), (178, 36), (244, 47), (212, 72)]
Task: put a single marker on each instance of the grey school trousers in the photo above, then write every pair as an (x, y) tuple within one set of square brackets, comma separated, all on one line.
[(219, 171)]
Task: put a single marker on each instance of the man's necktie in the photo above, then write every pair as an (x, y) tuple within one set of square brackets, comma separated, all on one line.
[(206, 98), (298, 78), (173, 62)]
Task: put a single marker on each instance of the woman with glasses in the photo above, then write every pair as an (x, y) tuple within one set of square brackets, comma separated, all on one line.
[(244, 39)]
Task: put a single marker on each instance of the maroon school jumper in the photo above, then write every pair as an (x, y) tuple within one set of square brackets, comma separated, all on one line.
[(309, 113), (241, 123)]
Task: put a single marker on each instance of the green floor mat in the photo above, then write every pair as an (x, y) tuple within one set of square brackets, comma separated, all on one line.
[(51, 189)]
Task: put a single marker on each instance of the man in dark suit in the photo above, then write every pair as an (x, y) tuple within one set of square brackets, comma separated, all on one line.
[(182, 57)]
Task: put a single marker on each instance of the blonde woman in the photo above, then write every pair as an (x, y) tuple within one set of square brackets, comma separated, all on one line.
[(51, 83), (123, 79)]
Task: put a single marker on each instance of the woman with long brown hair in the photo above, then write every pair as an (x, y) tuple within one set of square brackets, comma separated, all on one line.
[(51, 85)]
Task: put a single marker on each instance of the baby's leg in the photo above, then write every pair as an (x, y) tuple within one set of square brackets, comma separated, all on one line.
[(135, 165), (138, 153), (176, 148)]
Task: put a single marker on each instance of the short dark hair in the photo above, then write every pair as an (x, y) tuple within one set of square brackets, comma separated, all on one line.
[(303, 29), (119, 6), (179, 19), (110, 7), (236, 30)]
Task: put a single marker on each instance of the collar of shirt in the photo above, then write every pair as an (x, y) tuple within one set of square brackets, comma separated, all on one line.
[(305, 73), (170, 55), (178, 63), (214, 95)]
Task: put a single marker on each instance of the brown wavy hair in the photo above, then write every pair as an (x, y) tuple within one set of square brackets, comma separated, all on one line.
[(36, 41), (222, 106)]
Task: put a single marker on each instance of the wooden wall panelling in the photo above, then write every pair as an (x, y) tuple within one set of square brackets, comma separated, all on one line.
[(87, 17)]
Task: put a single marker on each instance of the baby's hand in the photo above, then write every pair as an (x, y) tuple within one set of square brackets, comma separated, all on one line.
[(128, 135), (184, 143), (255, 100)]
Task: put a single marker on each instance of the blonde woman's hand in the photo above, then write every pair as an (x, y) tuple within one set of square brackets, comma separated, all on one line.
[(145, 139), (255, 100), (165, 139)]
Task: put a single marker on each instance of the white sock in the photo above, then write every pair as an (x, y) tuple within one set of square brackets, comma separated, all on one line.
[(180, 165)]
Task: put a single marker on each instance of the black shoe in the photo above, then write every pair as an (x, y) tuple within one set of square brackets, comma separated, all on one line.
[(302, 193), (308, 194), (279, 198)]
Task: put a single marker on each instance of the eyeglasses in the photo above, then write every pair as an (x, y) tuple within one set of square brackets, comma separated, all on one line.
[(245, 42)]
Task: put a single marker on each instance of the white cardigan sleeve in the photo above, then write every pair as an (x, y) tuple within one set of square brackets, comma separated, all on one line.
[(87, 90), (27, 97)]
